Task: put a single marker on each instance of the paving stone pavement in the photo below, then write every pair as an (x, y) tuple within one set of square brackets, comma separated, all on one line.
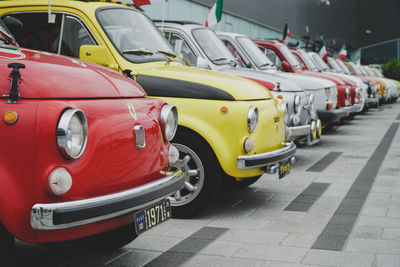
[(250, 227)]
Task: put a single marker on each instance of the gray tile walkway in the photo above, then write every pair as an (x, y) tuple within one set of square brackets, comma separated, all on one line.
[(251, 227)]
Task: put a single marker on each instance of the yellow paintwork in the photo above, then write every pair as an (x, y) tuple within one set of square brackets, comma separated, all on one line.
[(382, 91), (225, 133)]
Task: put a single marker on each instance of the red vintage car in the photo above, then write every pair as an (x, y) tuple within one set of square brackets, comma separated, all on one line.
[(83, 152), (290, 64)]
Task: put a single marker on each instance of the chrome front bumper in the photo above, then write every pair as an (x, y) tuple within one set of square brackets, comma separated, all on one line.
[(358, 107), (372, 102), (297, 131), (266, 159), (54, 216)]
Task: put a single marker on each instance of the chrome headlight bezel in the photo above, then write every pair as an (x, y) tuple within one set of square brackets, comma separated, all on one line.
[(252, 119), (64, 133), (311, 100), (169, 121), (328, 93), (347, 91), (296, 104)]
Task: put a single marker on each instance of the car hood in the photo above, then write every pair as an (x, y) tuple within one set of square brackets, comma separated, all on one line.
[(57, 77), (193, 82), (285, 84), (307, 82)]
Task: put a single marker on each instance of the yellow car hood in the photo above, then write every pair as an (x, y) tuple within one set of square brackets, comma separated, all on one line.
[(181, 81)]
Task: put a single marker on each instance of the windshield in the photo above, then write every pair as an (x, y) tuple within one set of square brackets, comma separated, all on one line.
[(334, 65), (290, 58), (259, 58), (134, 35), (310, 64), (5, 36), (361, 70), (369, 71), (212, 46), (343, 66), (319, 62)]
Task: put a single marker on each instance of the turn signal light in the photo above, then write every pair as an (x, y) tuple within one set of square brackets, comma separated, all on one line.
[(10, 117), (280, 96), (329, 106), (224, 110)]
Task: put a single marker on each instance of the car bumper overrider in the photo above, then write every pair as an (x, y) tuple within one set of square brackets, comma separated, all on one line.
[(266, 159), (297, 131), (54, 216), (359, 107), (329, 116)]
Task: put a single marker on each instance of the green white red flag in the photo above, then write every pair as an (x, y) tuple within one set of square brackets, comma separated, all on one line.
[(286, 33), (147, 2), (215, 14), (343, 52), (322, 50)]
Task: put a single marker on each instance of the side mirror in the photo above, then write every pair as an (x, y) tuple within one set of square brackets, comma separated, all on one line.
[(285, 66), (202, 63), (13, 24), (96, 54), (184, 60)]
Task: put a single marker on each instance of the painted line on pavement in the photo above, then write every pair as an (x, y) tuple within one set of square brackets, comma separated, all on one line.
[(339, 227), (188, 247), (307, 198), (324, 162)]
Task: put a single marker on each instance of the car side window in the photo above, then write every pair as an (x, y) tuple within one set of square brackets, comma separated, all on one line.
[(38, 34), (180, 45), (273, 56), (235, 53), (74, 36)]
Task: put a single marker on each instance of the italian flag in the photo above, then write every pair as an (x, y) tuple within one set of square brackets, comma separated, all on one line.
[(343, 52), (215, 14), (286, 33), (322, 50), (147, 2)]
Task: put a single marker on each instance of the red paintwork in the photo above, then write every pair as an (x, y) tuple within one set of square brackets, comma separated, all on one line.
[(341, 86), (344, 82), (81, 80), (111, 161), (270, 86)]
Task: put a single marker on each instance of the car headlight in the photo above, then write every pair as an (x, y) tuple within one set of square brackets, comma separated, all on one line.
[(297, 102), (252, 119), (72, 133), (169, 121)]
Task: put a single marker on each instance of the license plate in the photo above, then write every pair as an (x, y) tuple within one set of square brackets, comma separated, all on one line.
[(152, 216), (284, 169)]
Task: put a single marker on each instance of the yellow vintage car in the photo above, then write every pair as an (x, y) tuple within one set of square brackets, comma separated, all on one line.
[(229, 127)]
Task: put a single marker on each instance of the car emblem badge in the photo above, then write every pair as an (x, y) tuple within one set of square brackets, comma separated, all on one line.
[(140, 136), (276, 119), (132, 111)]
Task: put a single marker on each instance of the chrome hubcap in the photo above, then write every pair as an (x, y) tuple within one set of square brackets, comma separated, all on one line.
[(191, 164)]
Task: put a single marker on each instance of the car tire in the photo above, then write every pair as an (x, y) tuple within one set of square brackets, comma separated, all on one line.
[(203, 175), (108, 241), (7, 248)]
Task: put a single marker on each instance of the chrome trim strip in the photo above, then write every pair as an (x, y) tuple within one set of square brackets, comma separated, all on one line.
[(42, 215), (268, 158)]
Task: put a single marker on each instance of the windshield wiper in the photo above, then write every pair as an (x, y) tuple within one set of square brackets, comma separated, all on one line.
[(167, 53), (137, 52), (266, 64), (218, 59)]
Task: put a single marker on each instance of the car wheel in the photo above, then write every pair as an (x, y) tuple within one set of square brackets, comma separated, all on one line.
[(203, 175), (108, 241), (7, 248)]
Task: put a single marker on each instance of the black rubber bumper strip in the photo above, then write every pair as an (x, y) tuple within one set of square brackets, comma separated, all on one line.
[(330, 115), (78, 214)]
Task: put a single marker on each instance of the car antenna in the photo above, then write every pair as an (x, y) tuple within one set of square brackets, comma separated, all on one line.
[(51, 18)]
